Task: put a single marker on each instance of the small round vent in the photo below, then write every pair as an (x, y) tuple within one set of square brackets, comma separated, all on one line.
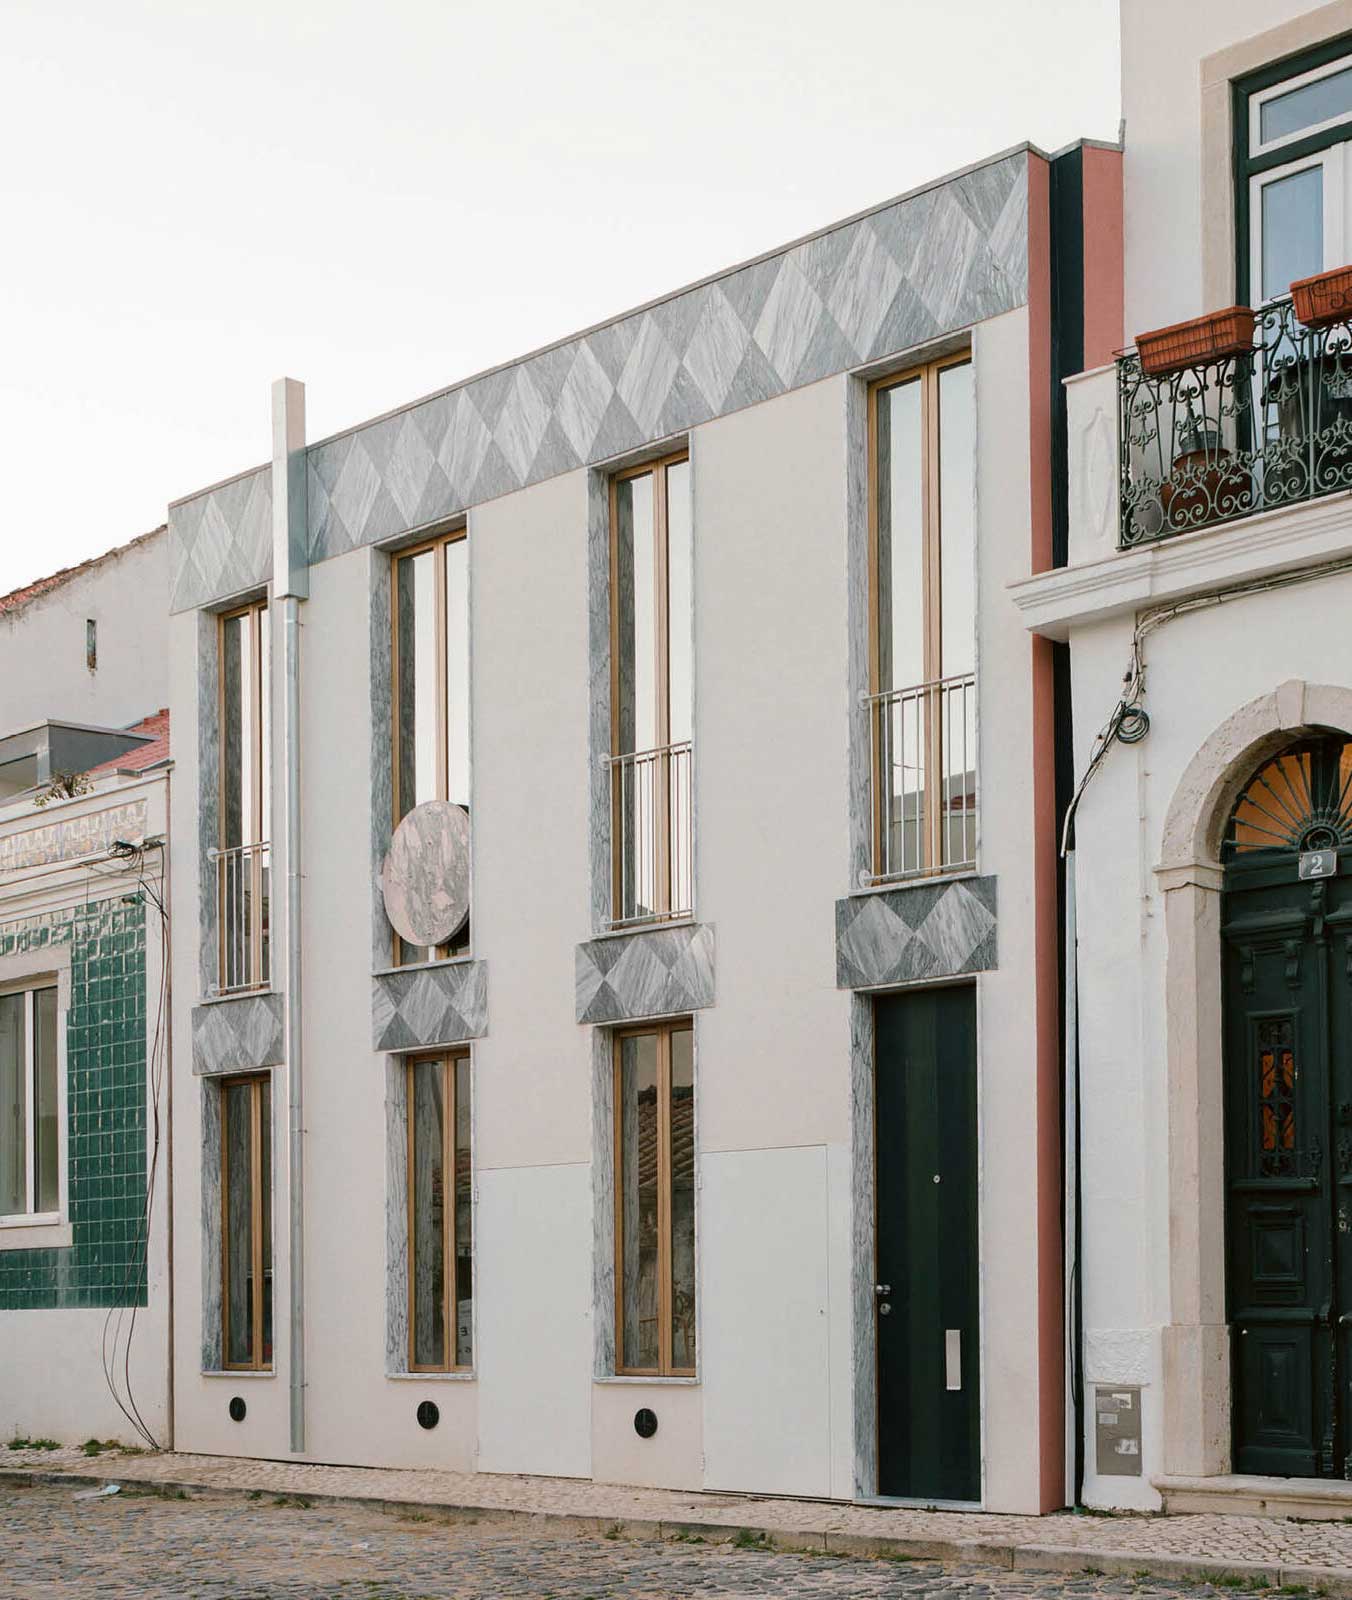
[(645, 1423), (238, 1410), (428, 1414)]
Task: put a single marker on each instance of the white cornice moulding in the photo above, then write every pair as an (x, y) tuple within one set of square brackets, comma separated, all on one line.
[(1055, 603)]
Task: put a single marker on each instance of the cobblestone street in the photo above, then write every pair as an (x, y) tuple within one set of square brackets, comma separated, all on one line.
[(147, 1542)]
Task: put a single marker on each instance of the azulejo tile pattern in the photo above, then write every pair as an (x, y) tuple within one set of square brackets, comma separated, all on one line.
[(910, 271), (237, 1034), (432, 1005), (925, 930), (106, 1110), (655, 973)]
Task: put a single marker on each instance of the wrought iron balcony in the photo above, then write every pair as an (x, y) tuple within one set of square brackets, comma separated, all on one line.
[(243, 895), (924, 778), (652, 860), (1243, 432)]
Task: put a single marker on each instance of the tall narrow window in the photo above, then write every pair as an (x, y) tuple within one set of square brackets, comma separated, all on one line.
[(431, 693), (440, 1215), (655, 1273), (30, 1143), (243, 866), (923, 621), (651, 692), (246, 1221)]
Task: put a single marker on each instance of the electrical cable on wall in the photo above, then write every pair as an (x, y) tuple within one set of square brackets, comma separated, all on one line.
[(1128, 723), (119, 1325)]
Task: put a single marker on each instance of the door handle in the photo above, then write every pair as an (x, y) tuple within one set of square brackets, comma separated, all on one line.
[(952, 1358), (882, 1290)]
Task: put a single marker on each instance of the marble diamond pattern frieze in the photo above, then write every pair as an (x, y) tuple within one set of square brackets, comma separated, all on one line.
[(920, 931), (238, 1034), (933, 262), (440, 1004), (657, 972)]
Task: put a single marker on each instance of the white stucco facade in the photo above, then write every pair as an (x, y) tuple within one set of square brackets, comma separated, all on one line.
[(1224, 686), (783, 1225)]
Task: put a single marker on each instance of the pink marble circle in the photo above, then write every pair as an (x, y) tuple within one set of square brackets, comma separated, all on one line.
[(425, 879)]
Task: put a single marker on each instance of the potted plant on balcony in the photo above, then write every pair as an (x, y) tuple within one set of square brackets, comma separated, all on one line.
[(1188, 344), (1324, 298), (1206, 484)]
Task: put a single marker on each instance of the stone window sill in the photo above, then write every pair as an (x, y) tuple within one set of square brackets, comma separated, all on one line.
[(916, 879), (36, 1233), (246, 1373), (669, 1382), (469, 1376)]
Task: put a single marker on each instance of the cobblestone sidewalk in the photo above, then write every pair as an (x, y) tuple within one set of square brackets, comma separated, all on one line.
[(1250, 1549), (148, 1544)]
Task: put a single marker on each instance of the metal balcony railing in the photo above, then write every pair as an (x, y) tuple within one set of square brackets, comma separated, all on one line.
[(243, 894), (924, 778), (652, 861), (1236, 434)]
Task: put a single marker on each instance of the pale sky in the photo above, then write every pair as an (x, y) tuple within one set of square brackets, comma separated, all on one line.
[(380, 200)]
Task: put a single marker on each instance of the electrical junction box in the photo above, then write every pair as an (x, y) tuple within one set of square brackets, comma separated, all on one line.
[(1117, 1432)]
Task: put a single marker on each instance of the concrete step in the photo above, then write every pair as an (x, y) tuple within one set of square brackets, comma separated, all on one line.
[(1238, 1495)]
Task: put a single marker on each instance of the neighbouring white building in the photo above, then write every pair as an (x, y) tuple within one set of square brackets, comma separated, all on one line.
[(1210, 560), (84, 1003), (608, 791)]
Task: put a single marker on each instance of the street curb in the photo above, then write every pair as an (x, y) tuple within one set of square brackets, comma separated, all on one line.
[(1336, 1581)]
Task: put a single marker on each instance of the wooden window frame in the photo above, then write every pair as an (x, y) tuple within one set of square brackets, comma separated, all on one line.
[(665, 1294), (928, 375), (30, 988), (256, 1082), (437, 544), (448, 1061), (657, 469), (256, 840)]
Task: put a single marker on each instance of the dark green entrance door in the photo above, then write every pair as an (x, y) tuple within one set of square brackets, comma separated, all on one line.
[(1288, 1080), (926, 1297)]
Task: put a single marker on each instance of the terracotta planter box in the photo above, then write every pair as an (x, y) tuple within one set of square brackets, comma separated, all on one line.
[(1186, 344), (1323, 299)]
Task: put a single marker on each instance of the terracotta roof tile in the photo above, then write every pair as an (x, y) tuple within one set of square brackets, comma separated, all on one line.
[(17, 599), (144, 755)]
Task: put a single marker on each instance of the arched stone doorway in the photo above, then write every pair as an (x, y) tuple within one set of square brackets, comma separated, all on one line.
[(1286, 939), (1199, 1439)]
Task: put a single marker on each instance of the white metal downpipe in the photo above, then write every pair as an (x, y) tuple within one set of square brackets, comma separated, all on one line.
[(290, 585), (1073, 1287)]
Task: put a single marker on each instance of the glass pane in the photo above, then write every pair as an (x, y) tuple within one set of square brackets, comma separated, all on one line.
[(1293, 229), (237, 733), (238, 1189), (638, 1200), (683, 1276), (13, 1107), (415, 582), (457, 671), (1306, 107), (464, 1222), (46, 1171), (428, 1220), (263, 712), (901, 587), (636, 647), (419, 685), (680, 601), (957, 514), (265, 1180)]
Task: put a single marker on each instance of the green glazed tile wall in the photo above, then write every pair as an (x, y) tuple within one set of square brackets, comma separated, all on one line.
[(106, 1107)]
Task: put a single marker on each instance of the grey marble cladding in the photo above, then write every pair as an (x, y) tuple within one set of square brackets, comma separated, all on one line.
[(659, 972), (424, 1006), (906, 273), (220, 542), (237, 1034), (920, 931)]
